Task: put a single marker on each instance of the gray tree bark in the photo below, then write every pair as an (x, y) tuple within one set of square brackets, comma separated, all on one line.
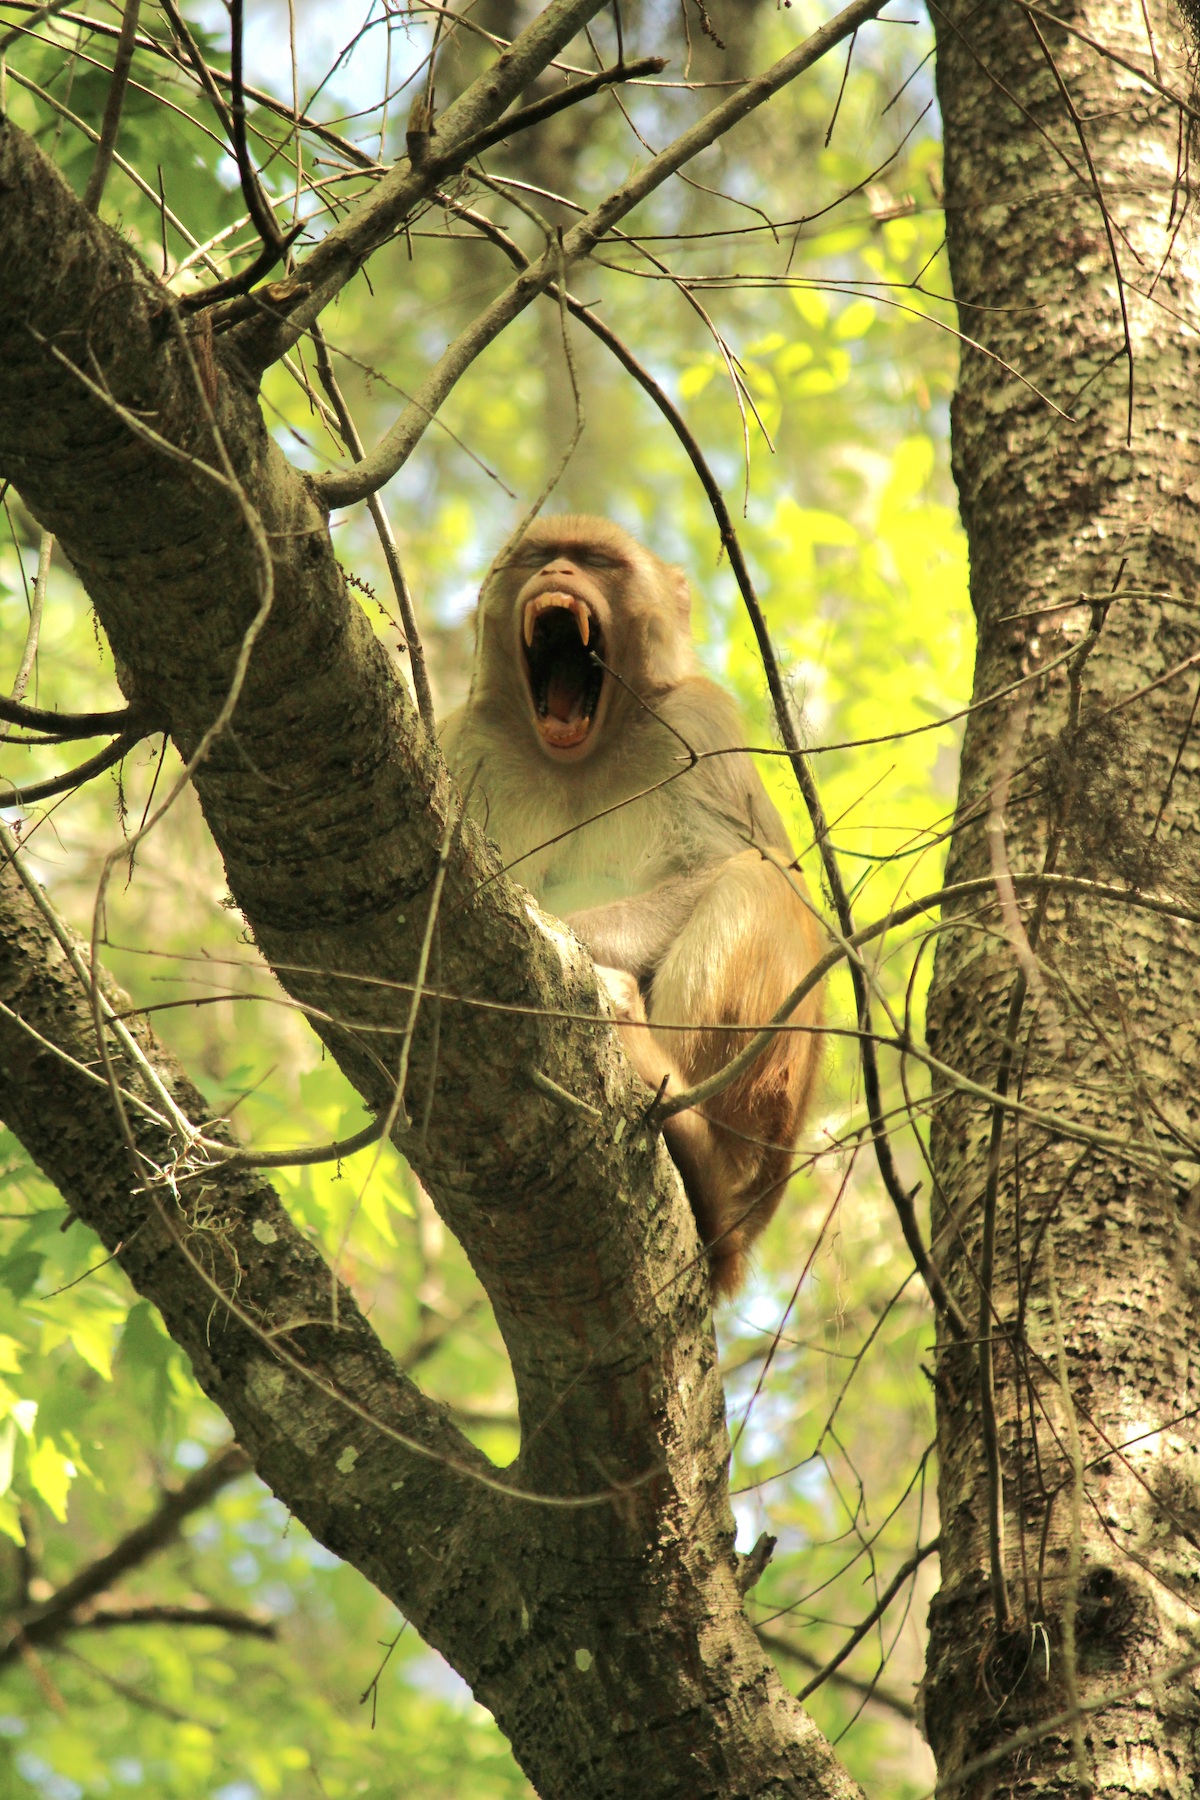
[(1071, 1566)]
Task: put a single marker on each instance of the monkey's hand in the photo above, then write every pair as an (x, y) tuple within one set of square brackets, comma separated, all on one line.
[(642, 1047), (623, 993)]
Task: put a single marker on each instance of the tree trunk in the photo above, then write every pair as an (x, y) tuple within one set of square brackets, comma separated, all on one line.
[(1072, 1569)]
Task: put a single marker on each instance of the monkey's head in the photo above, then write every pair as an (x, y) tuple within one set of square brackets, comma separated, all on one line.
[(578, 625)]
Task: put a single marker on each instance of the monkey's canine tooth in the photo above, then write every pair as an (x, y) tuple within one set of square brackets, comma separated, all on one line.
[(545, 603)]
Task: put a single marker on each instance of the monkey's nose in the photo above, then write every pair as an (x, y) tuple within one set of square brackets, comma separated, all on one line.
[(560, 566)]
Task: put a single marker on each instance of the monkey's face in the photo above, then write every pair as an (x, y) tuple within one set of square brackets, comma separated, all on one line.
[(581, 625)]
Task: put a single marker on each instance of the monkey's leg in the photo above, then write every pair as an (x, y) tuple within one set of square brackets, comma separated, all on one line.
[(749, 942)]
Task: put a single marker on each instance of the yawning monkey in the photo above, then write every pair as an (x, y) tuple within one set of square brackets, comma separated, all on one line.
[(585, 714)]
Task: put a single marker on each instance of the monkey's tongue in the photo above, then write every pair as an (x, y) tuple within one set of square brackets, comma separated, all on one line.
[(564, 698), (565, 723)]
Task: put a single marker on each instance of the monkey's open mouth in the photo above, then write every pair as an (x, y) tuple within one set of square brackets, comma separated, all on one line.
[(560, 634)]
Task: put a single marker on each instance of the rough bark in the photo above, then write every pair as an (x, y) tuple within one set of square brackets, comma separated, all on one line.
[(1054, 509), (609, 1640)]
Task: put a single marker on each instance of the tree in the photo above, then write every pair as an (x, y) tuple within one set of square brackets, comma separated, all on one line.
[(589, 1592), (1068, 1229)]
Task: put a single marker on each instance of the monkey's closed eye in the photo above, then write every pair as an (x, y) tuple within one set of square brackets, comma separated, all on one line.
[(596, 559)]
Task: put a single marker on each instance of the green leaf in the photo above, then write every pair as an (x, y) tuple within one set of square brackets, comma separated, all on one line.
[(50, 1476), (10, 1519), (19, 1272), (8, 1445)]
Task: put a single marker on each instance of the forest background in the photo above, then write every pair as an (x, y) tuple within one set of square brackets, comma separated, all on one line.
[(813, 354)]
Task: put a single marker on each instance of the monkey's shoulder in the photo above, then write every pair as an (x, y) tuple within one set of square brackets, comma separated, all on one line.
[(725, 782), (703, 713), (449, 732)]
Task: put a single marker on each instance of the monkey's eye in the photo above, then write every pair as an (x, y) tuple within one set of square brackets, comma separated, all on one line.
[(596, 559)]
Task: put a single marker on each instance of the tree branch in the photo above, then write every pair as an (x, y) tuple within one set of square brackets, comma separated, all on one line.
[(904, 1573), (539, 110), (344, 249), (297, 1431), (110, 124), (70, 778), (42, 1624), (342, 487), (62, 727), (387, 537), (872, 1691), (219, 1618)]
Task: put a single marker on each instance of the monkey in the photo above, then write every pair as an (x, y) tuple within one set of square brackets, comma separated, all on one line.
[(586, 741)]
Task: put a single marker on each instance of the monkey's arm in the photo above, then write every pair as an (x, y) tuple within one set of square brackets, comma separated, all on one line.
[(635, 934)]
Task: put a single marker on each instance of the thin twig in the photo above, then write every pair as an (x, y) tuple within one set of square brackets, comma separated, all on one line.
[(1081, 135), (257, 206), (33, 631), (220, 1618), (49, 1620), (72, 778), (397, 1111), (526, 116), (344, 487), (1070, 1608), (903, 1574), (110, 124), (344, 249), (867, 1690), (387, 539), (35, 18)]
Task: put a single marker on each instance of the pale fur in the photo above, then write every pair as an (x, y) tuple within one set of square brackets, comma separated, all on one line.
[(743, 933)]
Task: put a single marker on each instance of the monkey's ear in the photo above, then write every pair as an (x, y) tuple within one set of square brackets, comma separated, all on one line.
[(681, 593)]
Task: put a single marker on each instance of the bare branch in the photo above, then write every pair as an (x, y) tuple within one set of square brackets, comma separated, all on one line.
[(344, 249), (526, 116), (387, 538), (36, 609), (219, 1618), (110, 124), (873, 1691), (344, 487), (72, 778), (904, 1573)]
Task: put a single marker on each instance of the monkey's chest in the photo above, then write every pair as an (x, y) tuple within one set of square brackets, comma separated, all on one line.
[(578, 856), (577, 875)]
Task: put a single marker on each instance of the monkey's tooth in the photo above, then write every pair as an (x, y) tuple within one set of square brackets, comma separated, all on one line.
[(551, 602)]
